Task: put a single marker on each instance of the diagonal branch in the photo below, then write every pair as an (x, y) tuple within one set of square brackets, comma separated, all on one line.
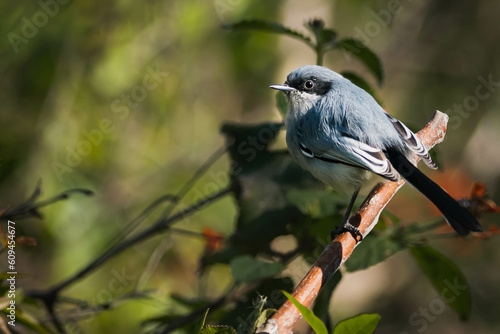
[(341, 248)]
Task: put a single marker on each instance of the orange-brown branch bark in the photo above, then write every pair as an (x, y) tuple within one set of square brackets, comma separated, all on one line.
[(341, 248)]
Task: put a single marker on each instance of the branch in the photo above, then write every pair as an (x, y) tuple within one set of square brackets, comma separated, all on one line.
[(341, 248), (30, 207), (50, 297)]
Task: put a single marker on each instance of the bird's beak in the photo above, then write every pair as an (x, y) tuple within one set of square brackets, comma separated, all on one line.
[(284, 88)]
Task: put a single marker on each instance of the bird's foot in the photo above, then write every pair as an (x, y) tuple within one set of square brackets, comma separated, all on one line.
[(347, 227)]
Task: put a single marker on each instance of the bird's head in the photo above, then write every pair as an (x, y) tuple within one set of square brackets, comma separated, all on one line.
[(306, 85)]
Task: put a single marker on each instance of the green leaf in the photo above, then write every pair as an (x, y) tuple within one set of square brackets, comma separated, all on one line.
[(266, 26), (218, 330), (246, 269), (446, 277), (312, 320), (361, 83), (281, 103), (316, 203), (322, 304), (364, 54), (373, 249), (361, 324), (199, 326), (261, 320)]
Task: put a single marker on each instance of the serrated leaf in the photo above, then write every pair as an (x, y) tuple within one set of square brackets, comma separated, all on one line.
[(266, 26), (361, 324), (199, 326), (281, 103), (364, 54), (313, 321), (246, 269), (373, 249), (446, 277), (361, 83), (218, 330)]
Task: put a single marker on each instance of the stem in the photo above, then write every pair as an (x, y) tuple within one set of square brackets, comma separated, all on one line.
[(319, 56)]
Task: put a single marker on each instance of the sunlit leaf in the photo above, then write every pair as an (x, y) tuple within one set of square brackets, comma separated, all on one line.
[(446, 277), (322, 304), (313, 321), (361, 324), (199, 326), (261, 320)]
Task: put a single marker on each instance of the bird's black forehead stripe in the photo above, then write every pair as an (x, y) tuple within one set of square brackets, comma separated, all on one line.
[(321, 87)]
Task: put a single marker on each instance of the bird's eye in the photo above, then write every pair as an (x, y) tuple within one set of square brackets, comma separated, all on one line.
[(309, 84)]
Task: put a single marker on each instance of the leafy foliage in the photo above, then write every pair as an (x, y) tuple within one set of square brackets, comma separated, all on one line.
[(313, 321), (325, 39), (246, 269), (375, 248), (361, 324), (364, 54), (266, 26), (446, 277), (274, 198), (322, 305)]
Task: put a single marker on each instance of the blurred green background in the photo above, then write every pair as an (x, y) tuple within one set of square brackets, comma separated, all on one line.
[(148, 85)]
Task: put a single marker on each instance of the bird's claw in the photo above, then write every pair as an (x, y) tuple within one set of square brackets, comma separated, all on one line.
[(347, 227)]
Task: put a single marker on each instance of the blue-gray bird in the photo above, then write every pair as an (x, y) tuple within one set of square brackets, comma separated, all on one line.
[(340, 134)]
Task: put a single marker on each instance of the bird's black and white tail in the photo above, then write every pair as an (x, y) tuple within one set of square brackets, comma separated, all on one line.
[(456, 215)]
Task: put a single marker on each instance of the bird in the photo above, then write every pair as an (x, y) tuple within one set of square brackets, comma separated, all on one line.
[(342, 136)]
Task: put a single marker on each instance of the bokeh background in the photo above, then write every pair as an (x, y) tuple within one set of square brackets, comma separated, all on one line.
[(86, 71)]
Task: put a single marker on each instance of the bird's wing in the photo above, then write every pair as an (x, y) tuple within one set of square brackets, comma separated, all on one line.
[(349, 151), (413, 143)]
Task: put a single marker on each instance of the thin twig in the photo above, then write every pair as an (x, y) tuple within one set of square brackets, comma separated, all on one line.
[(199, 173), (50, 296), (30, 208)]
